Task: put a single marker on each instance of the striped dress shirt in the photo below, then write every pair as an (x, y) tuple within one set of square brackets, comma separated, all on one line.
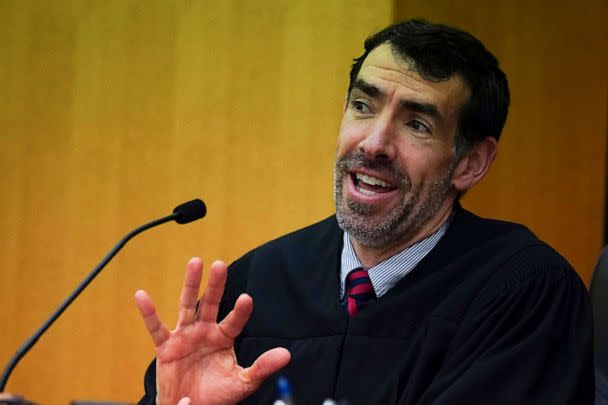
[(387, 273)]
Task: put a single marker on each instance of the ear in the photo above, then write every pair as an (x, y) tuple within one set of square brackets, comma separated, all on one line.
[(474, 165)]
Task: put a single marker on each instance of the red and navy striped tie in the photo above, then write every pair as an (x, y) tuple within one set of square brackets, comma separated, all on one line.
[(359, 291)]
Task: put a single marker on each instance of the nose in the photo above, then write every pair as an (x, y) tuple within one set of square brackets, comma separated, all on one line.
[(378, 143)]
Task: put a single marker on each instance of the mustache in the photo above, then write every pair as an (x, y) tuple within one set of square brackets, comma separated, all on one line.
[(360, 160)]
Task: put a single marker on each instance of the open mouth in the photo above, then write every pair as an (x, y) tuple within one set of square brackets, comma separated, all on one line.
[(370, 185)]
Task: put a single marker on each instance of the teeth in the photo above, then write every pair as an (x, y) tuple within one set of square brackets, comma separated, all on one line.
[(366, 192), (371, 180)]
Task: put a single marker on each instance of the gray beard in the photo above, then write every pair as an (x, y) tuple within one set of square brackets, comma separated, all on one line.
[(403, 221)]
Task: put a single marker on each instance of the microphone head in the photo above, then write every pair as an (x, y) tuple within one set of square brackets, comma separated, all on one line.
[(189, 211)]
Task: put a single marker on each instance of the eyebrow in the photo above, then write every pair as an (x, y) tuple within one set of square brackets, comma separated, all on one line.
[(368, 88), (412, 105), (423, 108)]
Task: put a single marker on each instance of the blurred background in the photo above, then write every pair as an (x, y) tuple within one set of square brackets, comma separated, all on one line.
[(114, 111)]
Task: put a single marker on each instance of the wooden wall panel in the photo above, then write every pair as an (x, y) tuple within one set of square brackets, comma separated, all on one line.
[(113, 112), (551, 163)]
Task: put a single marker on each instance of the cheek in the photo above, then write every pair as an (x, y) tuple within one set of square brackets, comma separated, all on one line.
[(422, 164), (347, 141), (352, 133)]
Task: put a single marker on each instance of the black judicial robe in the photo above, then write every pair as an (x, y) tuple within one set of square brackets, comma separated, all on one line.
[(492, 315)]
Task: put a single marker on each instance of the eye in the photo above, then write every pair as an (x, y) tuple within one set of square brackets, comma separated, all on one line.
[(360, 107), (419, 126)]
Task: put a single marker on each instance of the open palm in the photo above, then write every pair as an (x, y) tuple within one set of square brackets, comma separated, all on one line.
[(196, 360)]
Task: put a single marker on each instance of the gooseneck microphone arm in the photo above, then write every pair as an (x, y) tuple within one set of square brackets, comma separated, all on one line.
[(182, 214)]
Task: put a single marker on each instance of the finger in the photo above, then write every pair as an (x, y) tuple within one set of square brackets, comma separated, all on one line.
[(210, 302), (232, 325), (158, 331), (7, 396), (189, 296), (184, 401), (267, 364)]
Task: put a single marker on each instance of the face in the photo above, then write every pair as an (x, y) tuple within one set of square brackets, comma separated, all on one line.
[(394, 166)]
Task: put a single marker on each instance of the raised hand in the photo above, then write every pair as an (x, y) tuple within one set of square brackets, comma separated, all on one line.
[(195, 362)]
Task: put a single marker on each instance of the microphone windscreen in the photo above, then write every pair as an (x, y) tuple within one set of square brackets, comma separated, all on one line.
[(189, 211)]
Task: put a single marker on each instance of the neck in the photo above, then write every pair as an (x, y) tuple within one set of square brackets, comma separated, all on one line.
[(371, 256)]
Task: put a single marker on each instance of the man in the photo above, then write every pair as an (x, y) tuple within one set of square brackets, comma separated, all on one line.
[(403, 297)]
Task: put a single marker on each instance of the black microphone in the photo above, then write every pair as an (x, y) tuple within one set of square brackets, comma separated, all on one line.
[(190, 211), (182, 214)]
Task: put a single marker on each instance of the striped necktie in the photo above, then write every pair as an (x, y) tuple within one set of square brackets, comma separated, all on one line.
[(359, 291)]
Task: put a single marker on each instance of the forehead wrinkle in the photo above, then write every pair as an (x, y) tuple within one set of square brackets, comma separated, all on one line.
[(395, 76), (419, 102)]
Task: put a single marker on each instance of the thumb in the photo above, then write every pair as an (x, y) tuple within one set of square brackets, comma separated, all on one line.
[(267, 364), (184, 401)]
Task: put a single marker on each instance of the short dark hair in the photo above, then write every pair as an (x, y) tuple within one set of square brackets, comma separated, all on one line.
[(437, 52)]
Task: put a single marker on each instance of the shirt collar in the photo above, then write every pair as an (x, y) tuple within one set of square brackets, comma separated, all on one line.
[(387, 273)]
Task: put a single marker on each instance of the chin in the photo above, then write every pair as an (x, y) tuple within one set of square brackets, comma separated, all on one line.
[(371, 226)]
